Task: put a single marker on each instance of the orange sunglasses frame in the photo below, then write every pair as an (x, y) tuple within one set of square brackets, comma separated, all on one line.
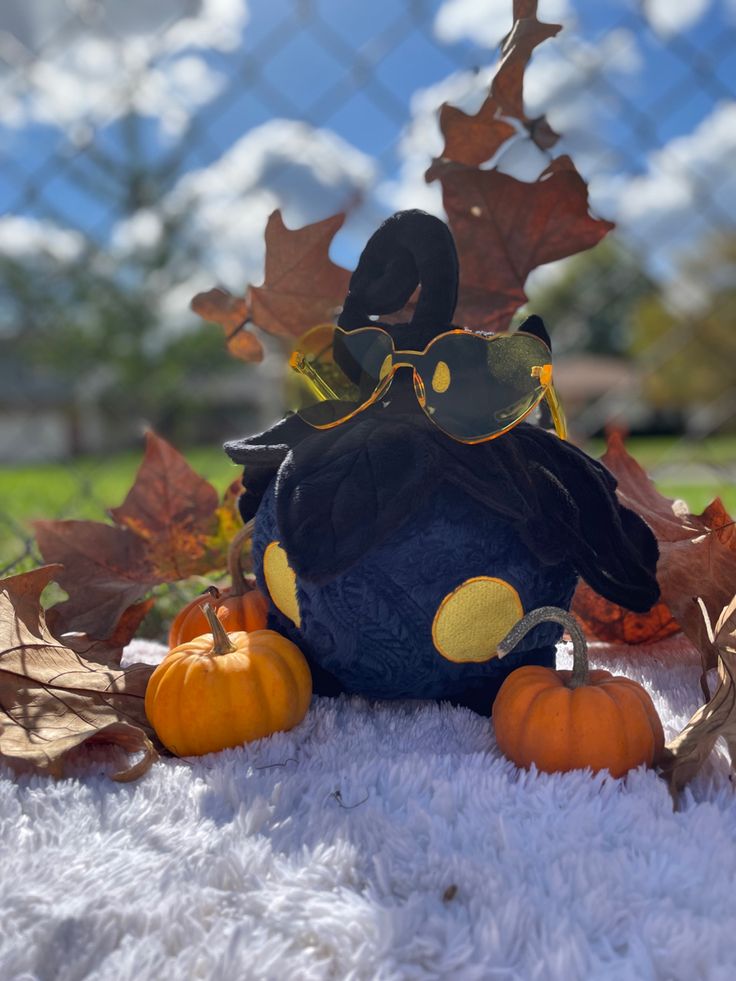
[(412, 359)]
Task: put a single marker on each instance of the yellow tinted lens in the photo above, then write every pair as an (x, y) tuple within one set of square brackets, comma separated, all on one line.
[(334, 372), (477, 387)]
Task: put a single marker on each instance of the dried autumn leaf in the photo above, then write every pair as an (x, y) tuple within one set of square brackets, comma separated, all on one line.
[(613, 624), (695, 559), (169, 507), (504, 228), (303, 287), (53, 699), (473, 139), (106, 649), (105, 571), (507, 88), (231, 313), (167, 529), (688, 751), (717, 518)]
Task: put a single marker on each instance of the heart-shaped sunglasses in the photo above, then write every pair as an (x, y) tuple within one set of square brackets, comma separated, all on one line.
[(474, 387)]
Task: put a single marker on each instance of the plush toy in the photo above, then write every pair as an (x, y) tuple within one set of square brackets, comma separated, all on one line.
[(407, 516)]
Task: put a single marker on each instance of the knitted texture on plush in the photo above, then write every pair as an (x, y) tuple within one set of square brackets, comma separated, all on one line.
[(368, 630)]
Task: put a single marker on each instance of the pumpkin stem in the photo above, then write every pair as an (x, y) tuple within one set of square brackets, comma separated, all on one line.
[(552, 613), (221, 640), (235, 559)]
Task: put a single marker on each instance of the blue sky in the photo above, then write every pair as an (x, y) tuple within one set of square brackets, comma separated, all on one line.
[(637, 91)]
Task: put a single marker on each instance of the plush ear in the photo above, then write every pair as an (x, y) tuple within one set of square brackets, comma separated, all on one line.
[(535, 325), (346, 489), (262, 455)]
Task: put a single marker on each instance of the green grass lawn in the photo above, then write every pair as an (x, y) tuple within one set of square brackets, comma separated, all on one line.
[(693, 470), (85, 487)]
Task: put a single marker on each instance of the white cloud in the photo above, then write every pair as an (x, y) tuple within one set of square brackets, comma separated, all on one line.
[(218, 216), (421, 140), (687, 189), (221, 211), (177, 24), (143, 231), (135, 57), (576, 84), (308, 173), (486, 22), (23, 238), (668, 17)]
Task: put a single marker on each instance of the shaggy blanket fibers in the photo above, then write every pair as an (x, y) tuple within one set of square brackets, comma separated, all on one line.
[(375, 841)]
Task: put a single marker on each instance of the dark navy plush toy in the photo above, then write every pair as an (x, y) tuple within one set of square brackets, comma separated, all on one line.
[(407, 516)]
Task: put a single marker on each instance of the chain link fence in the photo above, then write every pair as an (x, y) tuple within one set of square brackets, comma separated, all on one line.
[(145, 147)]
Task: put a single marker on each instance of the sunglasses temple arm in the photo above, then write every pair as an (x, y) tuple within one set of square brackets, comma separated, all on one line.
[(555, 407), (320, 387)]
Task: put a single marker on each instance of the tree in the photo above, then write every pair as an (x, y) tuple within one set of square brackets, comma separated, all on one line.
[(692, 353), (590, 307)]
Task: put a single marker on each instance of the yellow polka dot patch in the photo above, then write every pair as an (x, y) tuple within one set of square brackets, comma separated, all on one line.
[(473, 618), (281, 581)]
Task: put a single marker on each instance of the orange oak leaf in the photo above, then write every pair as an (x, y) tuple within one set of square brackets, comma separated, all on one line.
[(231, 313), (715, 516), (303, 287), (169, 507), (54, 700), (504, 228), (167, 529), (613, 624), (697, 558)]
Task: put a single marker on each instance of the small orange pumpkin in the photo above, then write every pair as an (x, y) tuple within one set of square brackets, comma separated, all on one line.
[(223, 689), (568, 720), (241, 607)]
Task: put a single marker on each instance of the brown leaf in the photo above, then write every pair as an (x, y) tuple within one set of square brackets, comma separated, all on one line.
[(720, 521), (668, 519), (105, 650), (689, 750), (504, 228), (303, 287), (170, 508), (231, 313), (52, 699), (105, 570), (167, 529), (473, 139), (613, 624), (695, 559), (507, 88)]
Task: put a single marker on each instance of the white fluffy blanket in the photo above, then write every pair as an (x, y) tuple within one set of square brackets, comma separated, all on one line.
[(375, 841)]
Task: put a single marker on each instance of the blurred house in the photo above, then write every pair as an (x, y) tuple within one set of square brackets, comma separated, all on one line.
[(596, 389), (40, 418), (43, 419)]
